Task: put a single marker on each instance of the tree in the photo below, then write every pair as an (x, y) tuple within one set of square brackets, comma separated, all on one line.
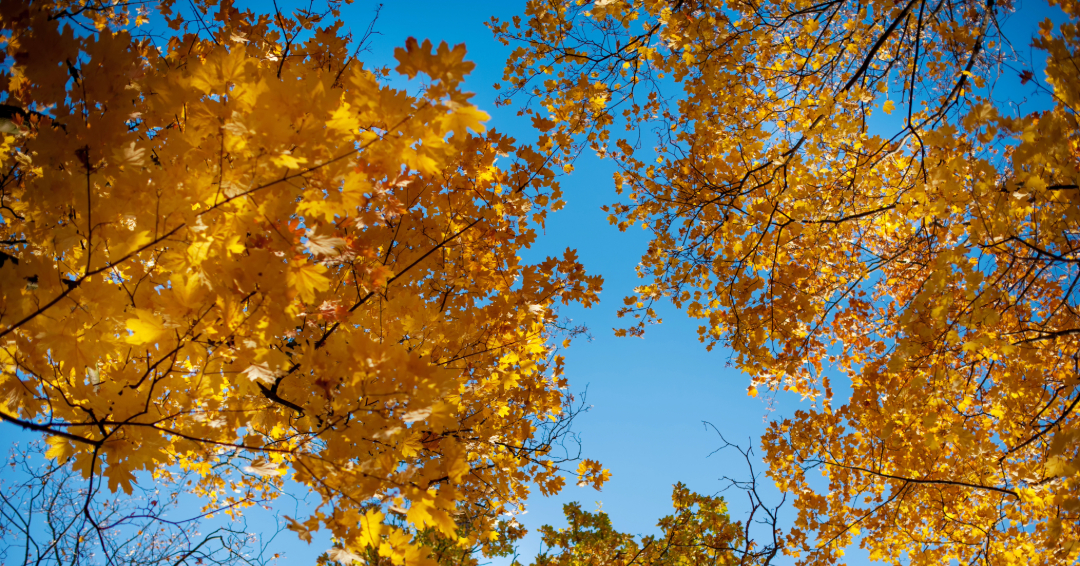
[(700, 532), (847, 196), (233, 251), (49, 517)]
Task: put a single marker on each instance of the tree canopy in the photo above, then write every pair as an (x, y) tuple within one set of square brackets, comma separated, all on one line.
[(237, 251), (233, 252), (844, 193)]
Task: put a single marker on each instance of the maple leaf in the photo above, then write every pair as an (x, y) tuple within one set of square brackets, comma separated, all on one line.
[(424, 513), (465, 118), (263, 468), (308, 279), (60, 449), (340, 554), (131, 155), (324, 245), (146, 328), (289, 161), (263, 373)]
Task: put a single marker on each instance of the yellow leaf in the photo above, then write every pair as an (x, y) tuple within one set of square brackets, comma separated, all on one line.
[(121, 477), (467, 117), (371, 529), (146, 328), (288, 160), (307, 279), (424, 513), (60, 449)]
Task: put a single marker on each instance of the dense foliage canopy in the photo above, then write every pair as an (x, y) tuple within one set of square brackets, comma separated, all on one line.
[(235, 251), (848, 196)]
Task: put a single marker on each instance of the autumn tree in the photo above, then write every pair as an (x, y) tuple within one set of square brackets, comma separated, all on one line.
[(699, 532), (848, 196), (232, 250)]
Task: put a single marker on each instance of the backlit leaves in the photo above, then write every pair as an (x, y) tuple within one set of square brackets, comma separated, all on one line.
[(238, 253), (840, 193)]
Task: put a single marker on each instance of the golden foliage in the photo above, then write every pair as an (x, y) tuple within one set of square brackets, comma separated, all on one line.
[(240, 253), (699, 532), (840, 194)]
